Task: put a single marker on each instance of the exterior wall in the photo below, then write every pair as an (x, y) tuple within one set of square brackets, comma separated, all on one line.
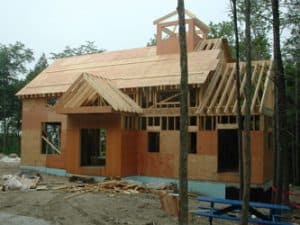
[(204, 164), (35, 112), (129, 153), (112, 124)]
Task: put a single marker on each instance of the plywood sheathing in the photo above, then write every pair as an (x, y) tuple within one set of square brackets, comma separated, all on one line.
[(202, 165), (88, 86), (125, 69), (109, 121), (34, 113), (220, 94)]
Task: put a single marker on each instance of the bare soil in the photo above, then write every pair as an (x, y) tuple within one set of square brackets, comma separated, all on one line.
[(57, 207)]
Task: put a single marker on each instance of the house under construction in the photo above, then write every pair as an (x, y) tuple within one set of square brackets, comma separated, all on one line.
[(117, 113)]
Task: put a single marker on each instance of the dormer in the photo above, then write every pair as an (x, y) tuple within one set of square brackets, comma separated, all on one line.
[(167, 40)]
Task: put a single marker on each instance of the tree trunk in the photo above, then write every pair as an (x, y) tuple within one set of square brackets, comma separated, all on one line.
[(247, 149), (183, 183), (238, 98), (282, 168), (297, 147)]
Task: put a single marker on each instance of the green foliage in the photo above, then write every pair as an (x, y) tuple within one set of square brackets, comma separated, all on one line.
[(152, 41), (41, 64), (223, 29), (87, 48), (13, 61), (260, 27)]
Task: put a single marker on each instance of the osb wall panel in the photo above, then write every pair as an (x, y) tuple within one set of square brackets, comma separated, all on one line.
[(268, 160), (34, 113), (112, 123), (129, 153), (207, 143), (201, 166), (258, 162), (163, 163)]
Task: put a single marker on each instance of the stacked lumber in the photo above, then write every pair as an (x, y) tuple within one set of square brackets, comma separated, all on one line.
[(116, 186)]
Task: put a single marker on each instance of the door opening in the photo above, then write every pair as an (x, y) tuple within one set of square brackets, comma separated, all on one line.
[(228, 155), (93, 147)]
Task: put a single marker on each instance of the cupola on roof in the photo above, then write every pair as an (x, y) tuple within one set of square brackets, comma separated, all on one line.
[(167, 32)]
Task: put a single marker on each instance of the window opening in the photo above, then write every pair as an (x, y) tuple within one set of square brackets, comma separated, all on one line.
[(153, 142), (51, 138)]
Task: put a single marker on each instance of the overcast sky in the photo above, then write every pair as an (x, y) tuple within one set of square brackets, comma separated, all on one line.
[(49, 25)]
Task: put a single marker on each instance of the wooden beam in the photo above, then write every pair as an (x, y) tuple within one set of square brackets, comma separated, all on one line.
[(210, 89), (227, 90), (85, 109), (165, 17), (258, 86), (266, 87), (224, 77), (51, 145)]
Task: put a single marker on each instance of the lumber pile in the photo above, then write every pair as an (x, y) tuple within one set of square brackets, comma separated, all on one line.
[(116, 186)]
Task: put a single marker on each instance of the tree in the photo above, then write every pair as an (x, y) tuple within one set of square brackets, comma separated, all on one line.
[(238, 97), (222, 29), (260, 29), (183, 183), (13, 60), (41, 64), (87, 48), (282, 169), (152, 41), (247, 149), (291, 56)]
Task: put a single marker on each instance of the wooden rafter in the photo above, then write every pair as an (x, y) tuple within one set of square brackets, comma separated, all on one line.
[(210, 89), (219, 95), (88, 88), (229, 86), (218, 90), (266, 87)]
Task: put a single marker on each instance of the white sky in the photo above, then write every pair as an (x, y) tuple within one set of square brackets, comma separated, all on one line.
[(49, 25)]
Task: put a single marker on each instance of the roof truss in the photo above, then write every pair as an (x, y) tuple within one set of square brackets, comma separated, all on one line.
[(220, 94), (95, 94)]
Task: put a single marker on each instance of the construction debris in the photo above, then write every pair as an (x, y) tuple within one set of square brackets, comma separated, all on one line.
[(20, 181), (117, 186), (12, 158), (169, 203), (82, 179)]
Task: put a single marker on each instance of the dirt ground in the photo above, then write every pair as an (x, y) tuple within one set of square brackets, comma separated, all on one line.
[(54, 207)]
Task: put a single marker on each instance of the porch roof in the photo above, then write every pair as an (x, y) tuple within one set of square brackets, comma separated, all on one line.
[(95, 94)]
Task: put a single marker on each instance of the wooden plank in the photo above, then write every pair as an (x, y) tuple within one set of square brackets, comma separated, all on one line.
[(224, 77), (73, 94), (266, 87), (51, 145), (253, 77), (227, 90), (258, 86), (232, 94), (86, 109), (165, 17), (210, 89)]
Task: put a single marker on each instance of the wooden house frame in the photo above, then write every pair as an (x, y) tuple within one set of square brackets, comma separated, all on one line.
[(126, 103)]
